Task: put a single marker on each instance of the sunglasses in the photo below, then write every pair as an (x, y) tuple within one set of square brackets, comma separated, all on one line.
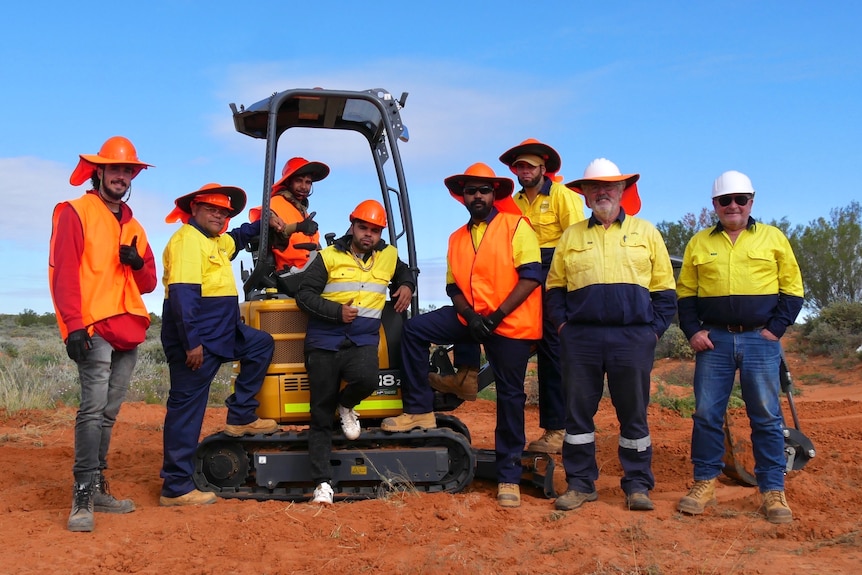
[(740, 200), (478, 190)]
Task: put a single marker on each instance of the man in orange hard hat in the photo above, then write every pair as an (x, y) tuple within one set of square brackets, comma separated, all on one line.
[(202, 330), (99, 265), (290, 201), (494, 270), (344, 292), (551, 208), (610, 292)]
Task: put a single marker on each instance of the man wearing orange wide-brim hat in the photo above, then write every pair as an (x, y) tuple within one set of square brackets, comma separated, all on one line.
[(611, 294), (202, 329), (100, 263), (493, 277)]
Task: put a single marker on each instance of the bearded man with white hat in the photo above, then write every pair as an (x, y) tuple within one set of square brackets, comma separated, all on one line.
[(610, 292)]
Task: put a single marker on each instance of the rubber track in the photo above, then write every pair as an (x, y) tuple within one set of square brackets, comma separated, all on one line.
[(462, 461)]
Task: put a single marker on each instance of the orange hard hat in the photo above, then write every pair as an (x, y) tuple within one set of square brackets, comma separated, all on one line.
[(533, 150), (115, 150), (300, 167), (502, 186), (370, 211)]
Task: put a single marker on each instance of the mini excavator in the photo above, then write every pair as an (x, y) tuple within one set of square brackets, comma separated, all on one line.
[(276, 466)]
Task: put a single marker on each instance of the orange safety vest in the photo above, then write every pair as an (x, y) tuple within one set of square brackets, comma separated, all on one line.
[(289, 256), (107, 287), (486, 276)]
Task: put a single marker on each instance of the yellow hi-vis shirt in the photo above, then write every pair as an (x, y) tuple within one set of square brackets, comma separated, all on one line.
[(620, 275), (551, 212), (753, 282)]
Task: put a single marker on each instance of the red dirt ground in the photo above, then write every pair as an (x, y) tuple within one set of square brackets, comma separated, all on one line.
[(443, 533)]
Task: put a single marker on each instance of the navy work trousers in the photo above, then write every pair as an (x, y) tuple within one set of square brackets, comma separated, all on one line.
[(508, 358), (187, 402)]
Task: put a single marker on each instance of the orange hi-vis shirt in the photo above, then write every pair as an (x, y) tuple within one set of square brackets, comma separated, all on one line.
[(290, 256), (486, 272)]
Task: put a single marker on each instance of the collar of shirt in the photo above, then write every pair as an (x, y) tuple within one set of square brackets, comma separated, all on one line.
[(751, 226), (545, 189), (195, 225), (621, 217)]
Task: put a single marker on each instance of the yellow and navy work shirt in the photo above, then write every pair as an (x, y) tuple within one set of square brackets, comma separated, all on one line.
[(201, 306), (555, 208), (752, 282), (337, 278), (620, 275)]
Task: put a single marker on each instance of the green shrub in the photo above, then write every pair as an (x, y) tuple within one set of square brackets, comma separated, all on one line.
[(835, 332), (673, 344)]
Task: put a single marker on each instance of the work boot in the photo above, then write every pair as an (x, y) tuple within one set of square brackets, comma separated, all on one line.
[(701, 494), (639, 501), (253, 428), (572, 499), (408, 421), (104, 502), (349, 422), (81, 516), (193, 497), (508, 495), (777, 510), (464, 384), (550, 442)]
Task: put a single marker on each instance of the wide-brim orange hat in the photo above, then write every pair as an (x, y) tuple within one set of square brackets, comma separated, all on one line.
[(228, 197), (503, 187), (604, 170), (115, 150), (301, 167), (532, 147)]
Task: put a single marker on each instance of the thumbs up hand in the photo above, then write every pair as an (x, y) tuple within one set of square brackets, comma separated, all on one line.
[(129, 255)]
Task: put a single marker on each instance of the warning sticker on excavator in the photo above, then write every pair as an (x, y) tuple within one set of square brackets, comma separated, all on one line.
[(358, 470)]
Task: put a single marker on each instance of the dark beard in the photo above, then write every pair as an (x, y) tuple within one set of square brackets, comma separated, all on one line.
[(530, 183), (480, 212)]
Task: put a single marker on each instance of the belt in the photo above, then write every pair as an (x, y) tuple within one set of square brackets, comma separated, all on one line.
[(737, 328)]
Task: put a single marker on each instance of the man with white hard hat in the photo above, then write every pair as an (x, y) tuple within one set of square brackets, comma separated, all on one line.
[(611, 293), (739, 289)]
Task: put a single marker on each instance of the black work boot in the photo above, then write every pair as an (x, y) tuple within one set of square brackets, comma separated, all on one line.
[(104, 502), (81, 517)]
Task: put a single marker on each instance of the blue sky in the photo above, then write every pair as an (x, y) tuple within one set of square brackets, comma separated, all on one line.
[(675, 91)]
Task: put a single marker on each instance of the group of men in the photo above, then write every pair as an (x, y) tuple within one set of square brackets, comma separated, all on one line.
[(526, 274)]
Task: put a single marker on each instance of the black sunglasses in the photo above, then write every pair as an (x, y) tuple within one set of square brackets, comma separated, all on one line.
[(478, 190), (740, 200)]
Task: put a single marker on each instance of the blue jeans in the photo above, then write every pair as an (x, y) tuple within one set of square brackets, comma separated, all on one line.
[(104, 376), (757, 360)]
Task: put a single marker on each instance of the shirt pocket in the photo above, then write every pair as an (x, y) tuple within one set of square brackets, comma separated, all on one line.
[(762, 272), (638, 258)]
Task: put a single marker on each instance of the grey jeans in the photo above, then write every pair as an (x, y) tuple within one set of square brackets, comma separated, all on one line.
[(104, 376)]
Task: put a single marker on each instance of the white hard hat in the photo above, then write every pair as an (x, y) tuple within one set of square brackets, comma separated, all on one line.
[(731, 182)]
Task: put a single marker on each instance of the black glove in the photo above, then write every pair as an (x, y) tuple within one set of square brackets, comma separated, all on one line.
[(493, 320), (307, 226), (78, 344), (129, 255), (476, 325)]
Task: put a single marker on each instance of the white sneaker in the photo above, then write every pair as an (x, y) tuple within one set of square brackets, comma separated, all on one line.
[(349, 422), (322, 494)]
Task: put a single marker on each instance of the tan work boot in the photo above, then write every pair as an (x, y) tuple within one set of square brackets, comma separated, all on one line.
[(701, 494), (550, 442), (777, 510), (572, 499), (193, 497), (508, 495), (464, 384), (408, 421), (253, 428), (639, 501)]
